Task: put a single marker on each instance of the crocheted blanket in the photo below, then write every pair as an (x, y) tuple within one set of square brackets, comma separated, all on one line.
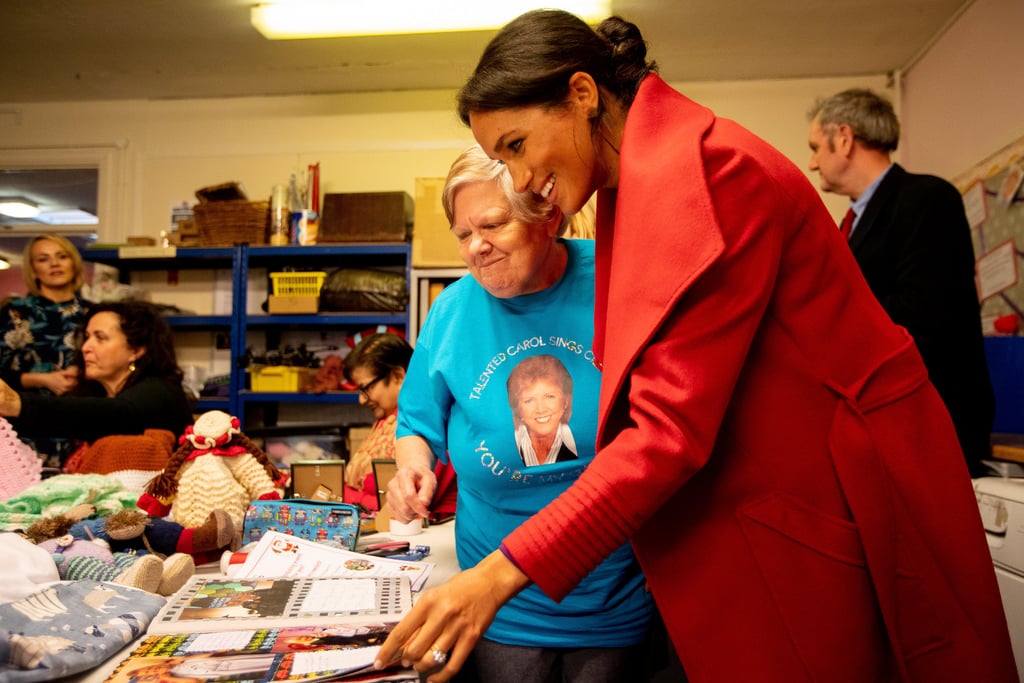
[(57, 494)]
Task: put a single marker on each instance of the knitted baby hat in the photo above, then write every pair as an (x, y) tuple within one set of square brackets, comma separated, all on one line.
[(132, 459), (22, 467)]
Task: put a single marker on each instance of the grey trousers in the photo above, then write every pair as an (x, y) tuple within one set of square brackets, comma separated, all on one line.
[(496, 663)]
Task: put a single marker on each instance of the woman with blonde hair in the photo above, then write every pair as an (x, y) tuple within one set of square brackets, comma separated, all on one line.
[(37, 330)]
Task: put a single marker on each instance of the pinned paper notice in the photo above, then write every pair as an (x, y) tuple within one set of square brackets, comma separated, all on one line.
[(997, 270), (975, 205)]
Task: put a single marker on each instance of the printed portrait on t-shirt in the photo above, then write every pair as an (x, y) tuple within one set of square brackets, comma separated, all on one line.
[(540, 395)]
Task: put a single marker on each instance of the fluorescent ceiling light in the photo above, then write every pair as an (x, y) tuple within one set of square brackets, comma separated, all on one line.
[(68, 217), (287, 19), (18, 207)]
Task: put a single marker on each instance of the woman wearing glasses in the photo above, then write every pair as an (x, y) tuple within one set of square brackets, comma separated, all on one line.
[(377, 367)]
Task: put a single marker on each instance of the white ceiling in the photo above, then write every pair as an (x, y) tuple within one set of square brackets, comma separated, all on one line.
[(70, 50), (75, 50)]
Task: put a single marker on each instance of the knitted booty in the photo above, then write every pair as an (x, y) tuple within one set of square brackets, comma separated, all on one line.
[(178, 569), (216, 533), (146, 572)]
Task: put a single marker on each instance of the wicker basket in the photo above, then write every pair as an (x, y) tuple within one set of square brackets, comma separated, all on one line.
[(232, 222)]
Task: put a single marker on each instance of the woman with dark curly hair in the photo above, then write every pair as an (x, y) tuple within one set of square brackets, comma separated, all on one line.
[(129, 381)]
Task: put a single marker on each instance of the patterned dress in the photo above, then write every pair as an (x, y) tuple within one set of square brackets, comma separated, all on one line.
[(38, 335)]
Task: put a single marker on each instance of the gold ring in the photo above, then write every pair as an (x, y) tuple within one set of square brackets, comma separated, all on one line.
[(439, 657)]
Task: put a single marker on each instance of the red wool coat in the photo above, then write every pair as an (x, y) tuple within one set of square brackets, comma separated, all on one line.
[(768, 439)]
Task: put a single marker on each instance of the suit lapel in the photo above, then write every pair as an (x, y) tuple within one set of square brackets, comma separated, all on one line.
[(873, 217)]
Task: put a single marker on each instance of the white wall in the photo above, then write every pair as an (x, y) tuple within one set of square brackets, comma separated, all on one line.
[(776, 110), (168, 149), (162, 151), (964, 98)]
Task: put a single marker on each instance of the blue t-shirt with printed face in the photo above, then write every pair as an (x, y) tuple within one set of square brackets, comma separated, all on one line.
[(457, 395)]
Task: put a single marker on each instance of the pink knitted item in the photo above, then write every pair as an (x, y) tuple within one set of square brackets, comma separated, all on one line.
[(22, 467)]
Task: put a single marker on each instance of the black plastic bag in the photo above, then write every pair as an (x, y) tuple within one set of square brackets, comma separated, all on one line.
[(355, 289)]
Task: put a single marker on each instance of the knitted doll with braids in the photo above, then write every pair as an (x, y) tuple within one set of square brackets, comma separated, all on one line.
[(216, 467)]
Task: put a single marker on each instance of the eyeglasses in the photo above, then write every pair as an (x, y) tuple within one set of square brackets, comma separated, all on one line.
[(365, 388)]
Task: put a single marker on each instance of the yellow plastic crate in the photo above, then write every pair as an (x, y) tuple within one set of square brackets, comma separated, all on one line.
[(282, 378), (297, 284)]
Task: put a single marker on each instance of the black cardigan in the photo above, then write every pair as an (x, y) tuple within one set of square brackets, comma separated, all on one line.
[(152, 403)]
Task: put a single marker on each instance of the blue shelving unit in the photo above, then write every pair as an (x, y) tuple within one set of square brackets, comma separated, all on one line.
[(240, 258)]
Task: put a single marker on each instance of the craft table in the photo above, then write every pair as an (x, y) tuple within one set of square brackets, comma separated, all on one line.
[(440, 538)]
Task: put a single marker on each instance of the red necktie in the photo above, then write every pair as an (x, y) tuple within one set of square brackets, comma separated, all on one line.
[(847, 224)]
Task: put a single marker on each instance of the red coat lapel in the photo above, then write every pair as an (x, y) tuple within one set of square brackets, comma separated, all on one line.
[(644, 264)]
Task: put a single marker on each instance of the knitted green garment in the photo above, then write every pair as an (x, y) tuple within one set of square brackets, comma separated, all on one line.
[(57, 494)]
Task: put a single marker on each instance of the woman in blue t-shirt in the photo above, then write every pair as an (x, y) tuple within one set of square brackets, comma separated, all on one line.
[(502, 384)]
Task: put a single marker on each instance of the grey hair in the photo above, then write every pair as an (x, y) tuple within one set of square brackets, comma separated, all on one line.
[(870, 115), (474, 166)]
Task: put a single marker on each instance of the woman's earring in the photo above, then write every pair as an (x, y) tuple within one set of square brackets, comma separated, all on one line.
[(131, 367)]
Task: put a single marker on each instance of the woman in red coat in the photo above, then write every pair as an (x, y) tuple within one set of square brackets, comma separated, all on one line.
[(768, 439)]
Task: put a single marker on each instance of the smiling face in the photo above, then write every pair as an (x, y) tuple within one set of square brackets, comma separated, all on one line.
[(54, 269), (106, 352), (551, 151), (507, 256), (541, 406), (380, 396)]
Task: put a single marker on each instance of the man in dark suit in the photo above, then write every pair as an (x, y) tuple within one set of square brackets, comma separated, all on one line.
[(910, 236)]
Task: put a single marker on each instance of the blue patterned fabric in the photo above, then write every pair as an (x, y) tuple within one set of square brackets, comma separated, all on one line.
[(74, 625)]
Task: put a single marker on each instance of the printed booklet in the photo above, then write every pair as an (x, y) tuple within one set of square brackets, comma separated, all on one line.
[(206, 604), (278, 554), (306, 653)]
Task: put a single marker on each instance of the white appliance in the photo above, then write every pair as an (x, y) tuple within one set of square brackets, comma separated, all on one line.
[(1001, 502)]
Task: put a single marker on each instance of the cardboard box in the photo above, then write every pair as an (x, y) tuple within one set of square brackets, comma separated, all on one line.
[(277, 305), (366, 217), (318, 479), (433, 245)]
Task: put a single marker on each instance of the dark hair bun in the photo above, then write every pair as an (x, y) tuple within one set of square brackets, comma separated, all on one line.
[(629, 53)]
